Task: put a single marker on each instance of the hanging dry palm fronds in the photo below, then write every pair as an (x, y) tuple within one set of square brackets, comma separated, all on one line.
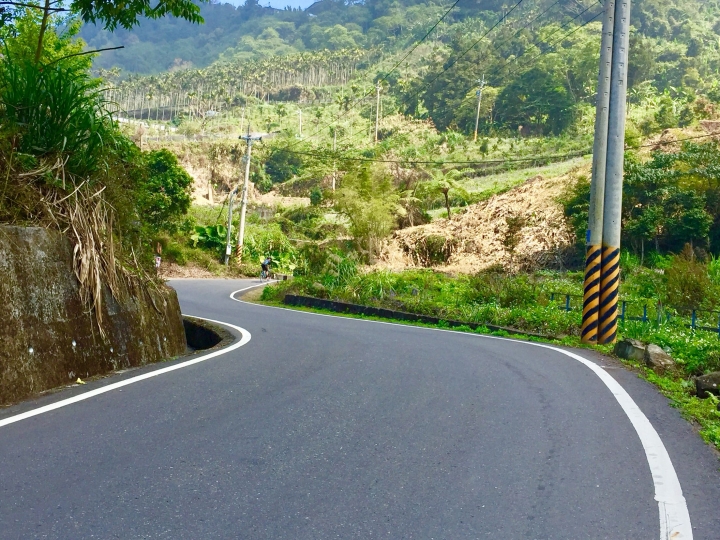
[(42, 194), (88, 219)]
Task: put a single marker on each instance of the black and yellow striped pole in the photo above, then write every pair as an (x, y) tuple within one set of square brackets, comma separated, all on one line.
[(612, 211), (591, 294)]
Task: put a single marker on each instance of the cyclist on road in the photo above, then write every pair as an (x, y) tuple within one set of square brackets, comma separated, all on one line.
[(265, 265)]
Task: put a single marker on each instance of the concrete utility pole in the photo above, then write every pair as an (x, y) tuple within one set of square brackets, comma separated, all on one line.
[(591, 297), (228, 241), (243, 204), (300, 115), (479, 95), (334, 176), (377, 111), (612, 210)]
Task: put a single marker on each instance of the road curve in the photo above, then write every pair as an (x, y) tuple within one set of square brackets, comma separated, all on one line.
[(324, 427)]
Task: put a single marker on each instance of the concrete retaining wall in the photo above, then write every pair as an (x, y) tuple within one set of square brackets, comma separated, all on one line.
[(47, 336)]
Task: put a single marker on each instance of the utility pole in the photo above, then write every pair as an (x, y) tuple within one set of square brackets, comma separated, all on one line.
[(242, 118), (300, 115), (243, 201), (477, 116), (593, 238), (612, 210), (228, 242), (377, 111), (334, 163)]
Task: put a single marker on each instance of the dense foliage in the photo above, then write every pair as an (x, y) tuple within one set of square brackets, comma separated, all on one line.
[(66, 162), (166, 193), (669, 201)]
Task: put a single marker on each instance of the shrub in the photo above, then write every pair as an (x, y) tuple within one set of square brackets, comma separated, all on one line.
[(687, 116), (261, 180), (633, 136), (174, 253), (665, 115), (492, 287), (434, 249), (268, 239), (282, 164), (688, 284), (212, 237), (316, 196)]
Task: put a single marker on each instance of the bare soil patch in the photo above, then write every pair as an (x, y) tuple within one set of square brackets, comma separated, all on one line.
[(521, 229)]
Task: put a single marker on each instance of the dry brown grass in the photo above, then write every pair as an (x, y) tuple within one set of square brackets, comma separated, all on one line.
[(522, 229), (82, 213)]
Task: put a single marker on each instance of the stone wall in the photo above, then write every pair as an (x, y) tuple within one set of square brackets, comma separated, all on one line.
[(47, 335)]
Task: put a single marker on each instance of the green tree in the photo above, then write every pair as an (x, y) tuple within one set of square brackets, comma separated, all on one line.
[(282, 164), (538, 100), (110, 13), (442, 183), (369, 201), (166, 194), (21, 41)]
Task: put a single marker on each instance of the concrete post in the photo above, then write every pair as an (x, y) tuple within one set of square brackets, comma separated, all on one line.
[(612, 211), (377, 112), (591, 296), (228, 242), (477, 116), (243, 200)]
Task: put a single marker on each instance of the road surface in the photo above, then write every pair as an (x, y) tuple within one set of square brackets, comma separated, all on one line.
[(317, 427)]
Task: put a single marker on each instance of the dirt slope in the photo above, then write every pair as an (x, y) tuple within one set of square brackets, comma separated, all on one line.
[(522, 228)]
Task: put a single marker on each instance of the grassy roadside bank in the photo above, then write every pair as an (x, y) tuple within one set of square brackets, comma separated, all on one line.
[(677, 386)]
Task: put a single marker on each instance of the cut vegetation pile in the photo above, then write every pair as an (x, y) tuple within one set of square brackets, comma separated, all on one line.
[(522, 229)]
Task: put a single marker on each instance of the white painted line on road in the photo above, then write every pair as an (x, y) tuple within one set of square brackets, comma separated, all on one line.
[(674, 516), (109, 388)]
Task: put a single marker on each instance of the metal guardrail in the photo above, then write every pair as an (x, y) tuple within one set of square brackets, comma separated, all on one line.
[(699, 319)]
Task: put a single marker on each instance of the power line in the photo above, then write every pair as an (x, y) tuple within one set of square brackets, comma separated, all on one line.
[(384, 78), (334, 156), (563, 38), (466, 51), (536, 18), (545, 51), (462, 55), (339, 157), (502, 19), (665, 143)]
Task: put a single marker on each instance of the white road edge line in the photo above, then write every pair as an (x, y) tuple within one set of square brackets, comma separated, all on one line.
[(109, 388), (674, 515)]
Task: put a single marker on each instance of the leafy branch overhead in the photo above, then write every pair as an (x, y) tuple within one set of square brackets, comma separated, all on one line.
[(109, 14), (127, 14), (113, 14)]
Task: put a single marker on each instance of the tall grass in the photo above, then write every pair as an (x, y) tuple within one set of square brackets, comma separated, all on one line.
[(55, 111)]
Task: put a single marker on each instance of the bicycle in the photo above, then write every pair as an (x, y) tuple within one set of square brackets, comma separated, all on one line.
[(265, 272)]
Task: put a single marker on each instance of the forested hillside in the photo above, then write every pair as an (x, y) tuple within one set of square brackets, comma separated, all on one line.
[(253, 32), (539, 59)]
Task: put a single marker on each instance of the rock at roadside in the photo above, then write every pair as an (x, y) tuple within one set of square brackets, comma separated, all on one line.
[(658, 360), (630, 349), (708, 384)]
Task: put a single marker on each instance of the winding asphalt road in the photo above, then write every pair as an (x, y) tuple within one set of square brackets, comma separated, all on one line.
[(323, 427)]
